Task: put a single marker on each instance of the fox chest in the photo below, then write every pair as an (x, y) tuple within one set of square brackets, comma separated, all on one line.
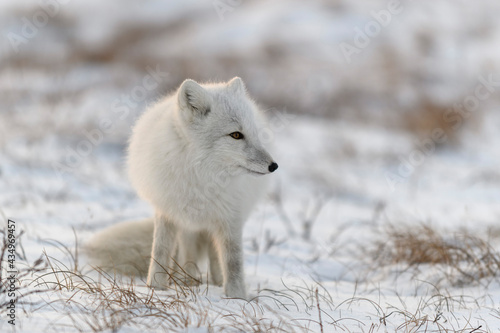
[(203, 203)]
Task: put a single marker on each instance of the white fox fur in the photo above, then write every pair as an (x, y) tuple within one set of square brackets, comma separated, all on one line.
[(197, 158), (124, 248)]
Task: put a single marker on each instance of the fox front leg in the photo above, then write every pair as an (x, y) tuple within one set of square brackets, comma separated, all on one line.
[(164, 245), (231, 255), (216, 276)]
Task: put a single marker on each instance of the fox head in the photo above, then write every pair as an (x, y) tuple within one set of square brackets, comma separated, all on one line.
[(223, 123)]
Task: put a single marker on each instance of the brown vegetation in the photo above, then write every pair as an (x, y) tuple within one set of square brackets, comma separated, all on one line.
[(464, 257)]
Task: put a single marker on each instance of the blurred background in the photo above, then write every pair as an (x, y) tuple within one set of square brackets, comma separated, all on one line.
[(309, 58), (357, 69)]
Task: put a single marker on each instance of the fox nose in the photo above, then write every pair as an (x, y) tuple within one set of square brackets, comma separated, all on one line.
[(273, 166)]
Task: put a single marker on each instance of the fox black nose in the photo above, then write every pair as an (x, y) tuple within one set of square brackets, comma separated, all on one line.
[(272, 167)]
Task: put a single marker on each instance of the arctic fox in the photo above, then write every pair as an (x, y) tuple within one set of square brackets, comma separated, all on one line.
[(197, 158)]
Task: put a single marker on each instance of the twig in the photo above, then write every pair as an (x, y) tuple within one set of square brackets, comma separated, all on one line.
[(319, 311)]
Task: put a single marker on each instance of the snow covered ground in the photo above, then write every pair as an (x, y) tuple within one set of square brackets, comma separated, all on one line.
[(321, 249)]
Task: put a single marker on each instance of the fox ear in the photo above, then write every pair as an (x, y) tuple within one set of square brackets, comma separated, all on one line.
[(193, 97), (236, 85)]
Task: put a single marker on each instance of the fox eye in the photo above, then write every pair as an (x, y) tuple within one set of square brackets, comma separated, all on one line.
[(236, 135)]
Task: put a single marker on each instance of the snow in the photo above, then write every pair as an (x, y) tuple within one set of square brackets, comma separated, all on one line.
[(336, 140)]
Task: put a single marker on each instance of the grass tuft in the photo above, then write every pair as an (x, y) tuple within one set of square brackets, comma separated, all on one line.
[(464, 257)]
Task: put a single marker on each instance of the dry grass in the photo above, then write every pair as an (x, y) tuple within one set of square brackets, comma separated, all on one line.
[(464, 257), (427, 116), (97, 301), (25, 269)]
